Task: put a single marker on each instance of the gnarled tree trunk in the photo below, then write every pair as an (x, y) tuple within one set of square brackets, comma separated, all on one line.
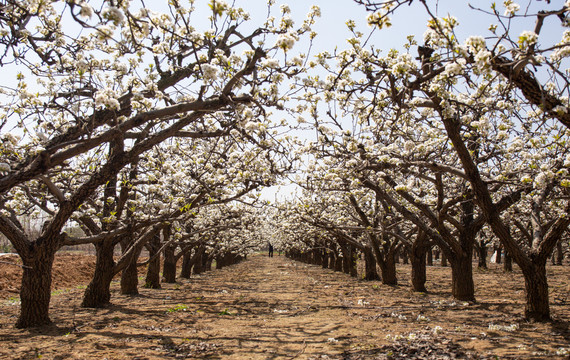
[(35, 290)]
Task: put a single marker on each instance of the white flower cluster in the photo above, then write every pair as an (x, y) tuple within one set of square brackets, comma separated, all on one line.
[(86, 9), (209, 72), (107, 98), (270, 63), (113, 14), (286, 41), (527, 38), (511, 8)]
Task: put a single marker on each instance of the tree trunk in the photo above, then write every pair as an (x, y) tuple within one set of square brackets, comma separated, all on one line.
[(35, 290), (198, 268), (443, 259), (418, 260), (429, 259), (462, 284), (325, 263), (508, 264), (130, 279), (338, 263), (370, 272), (130, 275), (98, 292), (207, 264), (169, 265), (186, 269), (219, 262), (537, 307), (388, 269), (482, 256), (317, 257), (559, 253), (332, 259), (499, 252), (353, 263), (152, 280)]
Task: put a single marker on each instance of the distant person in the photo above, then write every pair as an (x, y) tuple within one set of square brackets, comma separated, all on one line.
[(270, 250)]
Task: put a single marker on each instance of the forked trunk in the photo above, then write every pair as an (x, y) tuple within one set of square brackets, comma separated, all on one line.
[(98, 292), (35, 290)]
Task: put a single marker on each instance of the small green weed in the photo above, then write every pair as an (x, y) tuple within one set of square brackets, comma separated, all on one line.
[(179, 307)]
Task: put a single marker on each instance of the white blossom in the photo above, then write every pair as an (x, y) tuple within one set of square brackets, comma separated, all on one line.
[(210, 73)]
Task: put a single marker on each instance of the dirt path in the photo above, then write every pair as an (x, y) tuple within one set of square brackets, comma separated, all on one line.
[(274, 308)]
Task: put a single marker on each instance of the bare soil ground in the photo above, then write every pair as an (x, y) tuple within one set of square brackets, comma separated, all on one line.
[(275, 308)]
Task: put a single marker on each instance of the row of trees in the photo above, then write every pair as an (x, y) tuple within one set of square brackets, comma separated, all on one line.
[(139, 127), (464, 140)]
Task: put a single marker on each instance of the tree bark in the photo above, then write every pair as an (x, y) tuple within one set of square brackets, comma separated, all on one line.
[(169, 265), (537, 306), (370, 272), (198, 263), (35, 290), (186, 268), (388, 269), (559, 253), (418, 260), (98, 292), (429, 259), (130, 275), (353, 263), (508, 264), (152, 280), (443, 259), (325, 263), (482, 255), (462, 284)]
